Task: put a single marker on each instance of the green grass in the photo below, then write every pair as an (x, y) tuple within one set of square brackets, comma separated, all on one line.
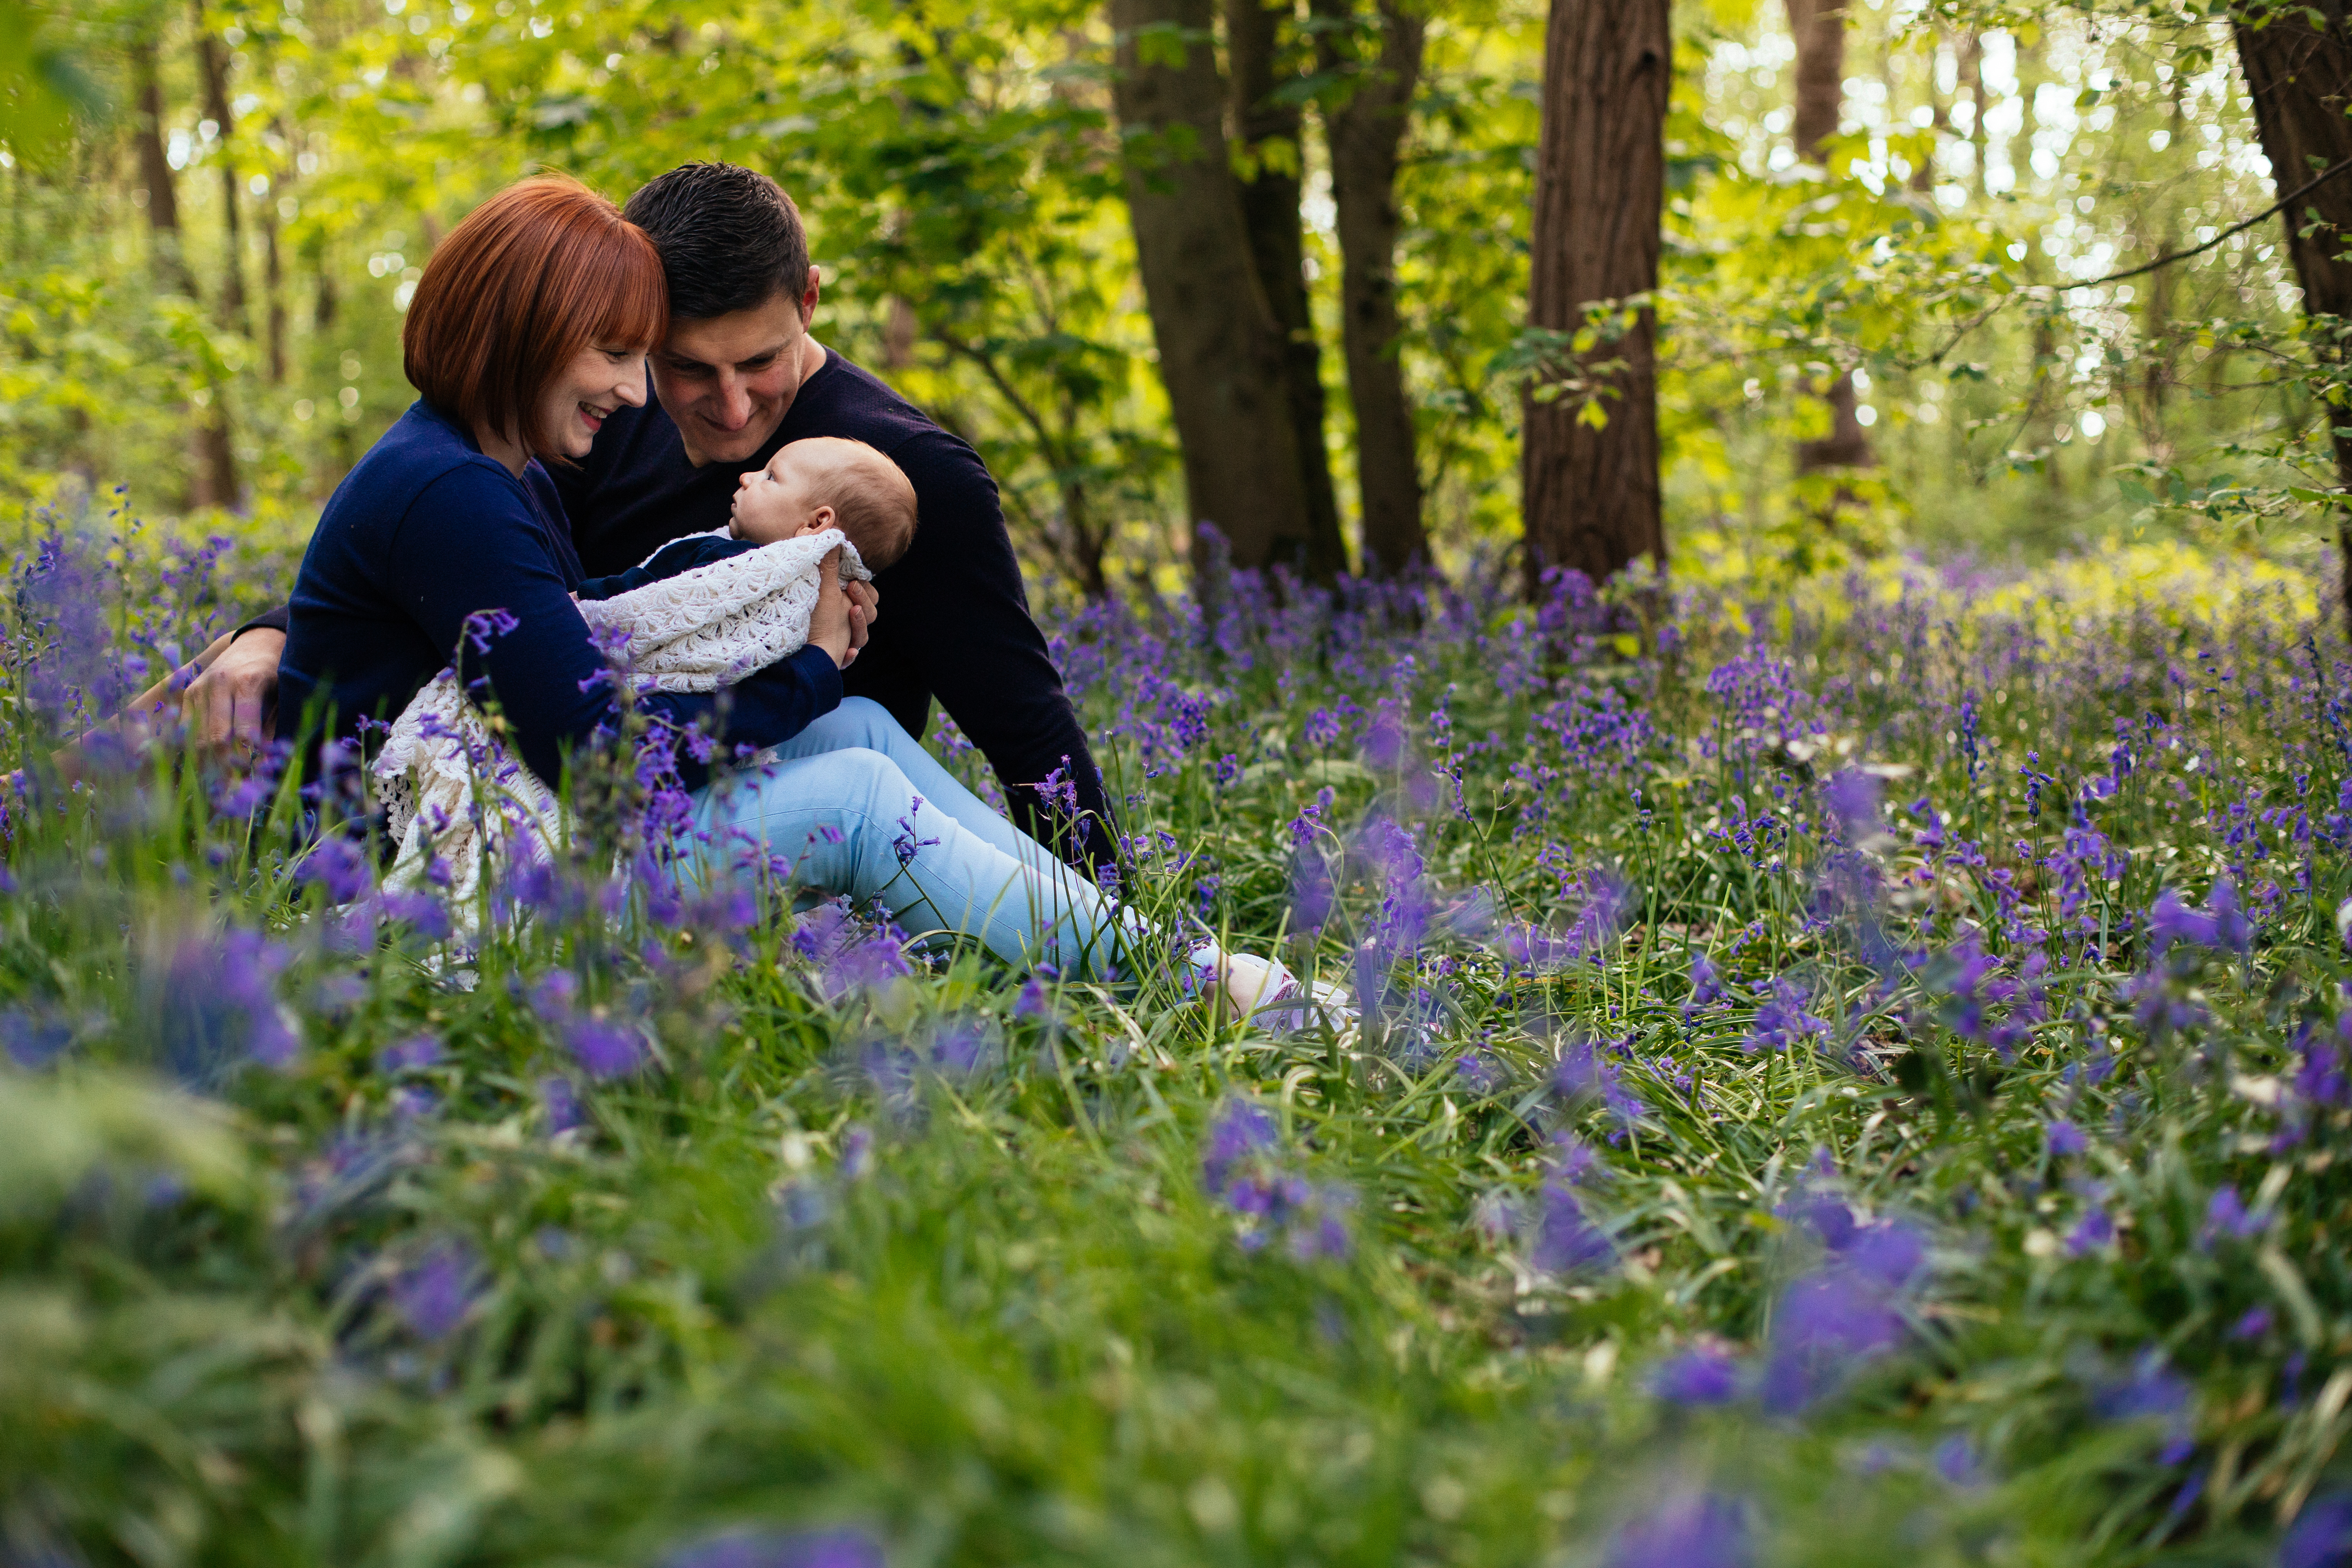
[(797, 1275)]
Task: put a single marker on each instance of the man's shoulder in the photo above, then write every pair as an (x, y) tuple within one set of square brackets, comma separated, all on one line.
[(848, 400)]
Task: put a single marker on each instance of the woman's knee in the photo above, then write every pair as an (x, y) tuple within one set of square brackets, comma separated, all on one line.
[(862, 722)]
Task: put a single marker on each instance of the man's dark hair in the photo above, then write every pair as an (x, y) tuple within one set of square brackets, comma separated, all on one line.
[(729, 239)]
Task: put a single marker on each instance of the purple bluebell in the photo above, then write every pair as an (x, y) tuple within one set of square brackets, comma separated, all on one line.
[(1697, 1376), (435, 1293), (2064, 1139), (2092, 1232), (340, 866), (1851, 796), (1955, 1460), (1565, 1241), (605, 1047), (559, 1101), (781, 1549), (412, 1054), (220, 1006), (1697, 1530), (1239, 1131), (33, 1041), (2252, 1325), (2321, 1535), (1822, 1327), (2226, 1215)]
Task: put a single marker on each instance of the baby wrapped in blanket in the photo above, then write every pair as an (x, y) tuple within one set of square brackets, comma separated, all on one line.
[(701, 613)]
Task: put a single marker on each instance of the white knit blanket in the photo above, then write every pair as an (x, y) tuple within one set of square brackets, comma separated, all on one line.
[(451, 792)]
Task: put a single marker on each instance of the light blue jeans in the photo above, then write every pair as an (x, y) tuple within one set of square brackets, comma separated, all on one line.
[(854, 805)]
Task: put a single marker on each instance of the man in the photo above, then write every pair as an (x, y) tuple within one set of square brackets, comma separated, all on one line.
[(739, 377)]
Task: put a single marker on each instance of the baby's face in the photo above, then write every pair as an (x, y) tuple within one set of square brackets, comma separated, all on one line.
[(781, 500)]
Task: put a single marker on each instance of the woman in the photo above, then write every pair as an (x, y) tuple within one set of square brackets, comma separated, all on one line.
[(530, 326)]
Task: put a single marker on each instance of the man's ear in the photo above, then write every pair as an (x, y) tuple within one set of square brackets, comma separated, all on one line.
[(808, 295)]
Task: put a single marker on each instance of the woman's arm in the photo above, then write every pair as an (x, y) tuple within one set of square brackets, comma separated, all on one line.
[(469, 544)]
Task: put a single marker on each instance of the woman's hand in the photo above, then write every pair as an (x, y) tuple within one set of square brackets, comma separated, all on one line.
[(838, 624)]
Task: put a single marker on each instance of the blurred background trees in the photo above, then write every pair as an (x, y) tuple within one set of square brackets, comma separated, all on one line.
[(1288, 267)]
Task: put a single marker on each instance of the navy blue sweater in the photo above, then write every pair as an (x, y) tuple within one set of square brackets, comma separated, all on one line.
[(427, 531), (955, 620)]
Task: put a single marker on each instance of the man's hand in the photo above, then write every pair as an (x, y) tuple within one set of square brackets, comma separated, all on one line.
[(229, 704), (833, 623), (864, 607)]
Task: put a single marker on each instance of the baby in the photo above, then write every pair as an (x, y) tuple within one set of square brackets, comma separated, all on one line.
[(825, 482), (809, 486)]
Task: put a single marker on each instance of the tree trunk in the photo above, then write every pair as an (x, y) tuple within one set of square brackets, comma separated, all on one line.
[(2300, 77), (212, 461), (273, 284), (1591, 496), (1365, 131), (1819, 29), (215, 66), (1271, 131), (1221, 354)]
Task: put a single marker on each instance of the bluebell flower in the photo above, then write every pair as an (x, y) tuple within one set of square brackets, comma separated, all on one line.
[(1697, 1376), (1239, 1131), (1697, 1530), (1564, 1240), (435, 1294), (412, 1054), (2321, 1535), (560, 1102), (2064, 1139), (2092, 1232), (220, 1006), (2226, 1215), (779, 1549)]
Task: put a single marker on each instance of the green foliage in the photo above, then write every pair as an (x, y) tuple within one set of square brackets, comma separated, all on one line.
[(939, 1260)]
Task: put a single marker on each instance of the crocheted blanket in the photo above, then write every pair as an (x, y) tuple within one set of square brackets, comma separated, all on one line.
[(452, 793)]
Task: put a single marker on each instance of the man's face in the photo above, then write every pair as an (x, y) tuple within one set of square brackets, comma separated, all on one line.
[(727, 381)]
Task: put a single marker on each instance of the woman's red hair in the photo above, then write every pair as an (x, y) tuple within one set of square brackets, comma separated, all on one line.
[(532, 277)]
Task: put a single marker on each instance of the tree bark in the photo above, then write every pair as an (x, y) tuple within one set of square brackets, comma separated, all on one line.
[(1277, 248), (273, 285), (216, 108), (212, 460), (1590, 496), (2300, 77), (1819, 29), (1221, 354), (1366, 129)]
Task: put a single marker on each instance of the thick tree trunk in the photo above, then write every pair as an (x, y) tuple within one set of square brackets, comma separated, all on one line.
[(1278, 249), (1221, 354), (1366, 131), (1819, 29), (2300, 77), (211, 477), (1591, 496)]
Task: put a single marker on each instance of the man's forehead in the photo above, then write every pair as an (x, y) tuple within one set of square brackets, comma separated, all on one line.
[(763, 330)]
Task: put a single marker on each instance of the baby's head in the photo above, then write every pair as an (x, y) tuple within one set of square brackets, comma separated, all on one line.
[(825, 482)]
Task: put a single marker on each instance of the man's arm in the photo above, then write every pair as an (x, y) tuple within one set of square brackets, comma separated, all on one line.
[(959, 627), (234, 701)]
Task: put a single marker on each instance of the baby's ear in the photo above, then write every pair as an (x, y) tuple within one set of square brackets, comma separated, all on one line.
[(820, 520)]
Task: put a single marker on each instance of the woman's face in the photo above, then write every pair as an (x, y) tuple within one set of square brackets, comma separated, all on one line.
[(599, 379)]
